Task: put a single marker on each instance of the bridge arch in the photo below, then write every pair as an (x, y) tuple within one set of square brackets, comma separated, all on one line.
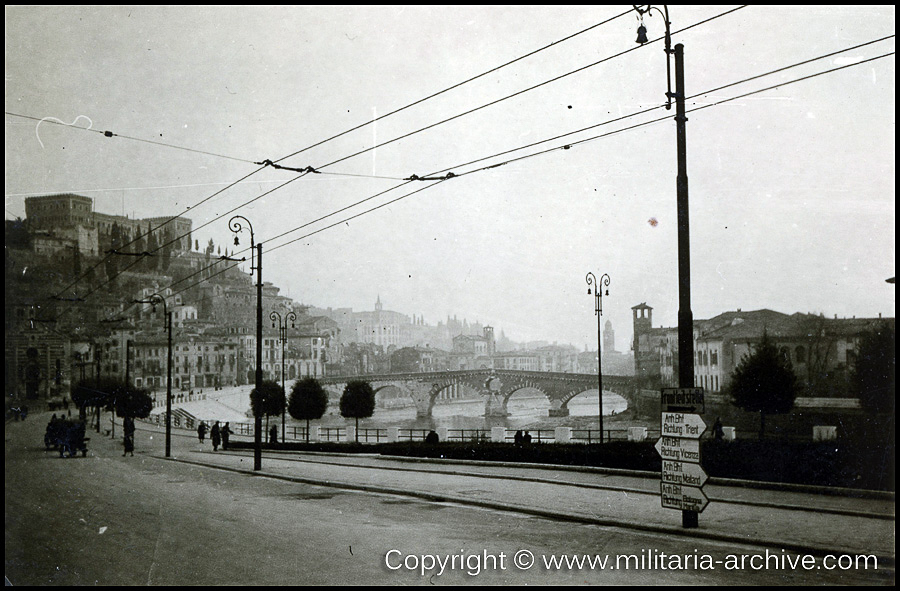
[(496, 387)]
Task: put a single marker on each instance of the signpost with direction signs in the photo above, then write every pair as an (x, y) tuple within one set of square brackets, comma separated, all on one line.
[(679, 446)]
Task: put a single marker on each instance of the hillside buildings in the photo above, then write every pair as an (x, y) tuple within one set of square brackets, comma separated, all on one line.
[(73, 275)]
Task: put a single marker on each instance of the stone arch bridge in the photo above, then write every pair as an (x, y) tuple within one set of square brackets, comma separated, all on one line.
[(495, 387)]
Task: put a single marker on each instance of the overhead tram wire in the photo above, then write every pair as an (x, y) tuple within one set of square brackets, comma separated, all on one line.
[(567, 146), (419, 190), (650, 109), (523, 91), (457, 85), (723, 101), (318, 169), (267, 163), (111, 134)]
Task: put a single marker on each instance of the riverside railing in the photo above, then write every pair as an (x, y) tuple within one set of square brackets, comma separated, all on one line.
[(384, 435)]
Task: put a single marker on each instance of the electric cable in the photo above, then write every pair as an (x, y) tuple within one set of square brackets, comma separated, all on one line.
[(111, 134), (127, 137), (523, 91), (457, 85), (567, 146), (596, 137)]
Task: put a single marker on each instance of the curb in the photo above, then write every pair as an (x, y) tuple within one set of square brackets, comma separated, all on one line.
[(843, 512), (888, 561), (756, 484)]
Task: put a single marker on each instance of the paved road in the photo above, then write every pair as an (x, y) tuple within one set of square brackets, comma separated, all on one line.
[(207, 518), (600, 499)]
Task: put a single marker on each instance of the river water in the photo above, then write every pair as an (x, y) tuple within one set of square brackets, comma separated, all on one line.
[(524, 410)]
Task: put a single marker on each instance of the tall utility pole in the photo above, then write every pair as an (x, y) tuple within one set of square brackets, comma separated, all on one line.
[(689, 519), (257, 436), (685, 315), (169, 388)]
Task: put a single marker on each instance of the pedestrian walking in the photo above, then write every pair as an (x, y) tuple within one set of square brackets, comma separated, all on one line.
[(273, 434), (718, 430), (225, 432), (129, 436), (216, 436), (201, 431)]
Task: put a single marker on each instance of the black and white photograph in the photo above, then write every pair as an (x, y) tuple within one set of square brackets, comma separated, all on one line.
[(356, 295)]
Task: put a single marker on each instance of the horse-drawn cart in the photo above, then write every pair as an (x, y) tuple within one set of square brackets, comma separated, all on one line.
[(67, 436)]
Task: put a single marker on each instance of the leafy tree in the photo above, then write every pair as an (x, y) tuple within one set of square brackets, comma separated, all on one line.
[(86, 393), (358, 402), (133, 402), (764, 382), (96, 393), (269, 402), (873, 377), (308, 401)]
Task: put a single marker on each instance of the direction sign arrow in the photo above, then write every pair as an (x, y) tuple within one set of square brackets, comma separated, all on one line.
[(679, 424), (676, 472), (685, 498), (678, 449)]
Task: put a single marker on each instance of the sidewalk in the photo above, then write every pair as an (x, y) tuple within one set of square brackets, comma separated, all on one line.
[(595, 498)]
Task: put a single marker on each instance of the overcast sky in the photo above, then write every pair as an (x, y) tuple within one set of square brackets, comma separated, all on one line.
[(792, 191)]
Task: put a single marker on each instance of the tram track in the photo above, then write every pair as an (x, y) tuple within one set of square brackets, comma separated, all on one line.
[(427, 466)]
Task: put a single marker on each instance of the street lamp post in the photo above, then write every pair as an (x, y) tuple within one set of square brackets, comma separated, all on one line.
[(591, 279), (689, 519), (156, 299), (282, 333), (235, 225)]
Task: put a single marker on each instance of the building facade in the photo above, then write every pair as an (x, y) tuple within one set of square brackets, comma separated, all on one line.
[(822, 351)]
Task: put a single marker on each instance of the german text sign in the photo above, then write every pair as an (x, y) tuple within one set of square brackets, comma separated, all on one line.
[(686, 498), (678, 449), (680, 424), (682, 399), (675, 472)]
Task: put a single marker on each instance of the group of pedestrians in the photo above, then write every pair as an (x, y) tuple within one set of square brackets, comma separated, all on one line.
[(218, 435)]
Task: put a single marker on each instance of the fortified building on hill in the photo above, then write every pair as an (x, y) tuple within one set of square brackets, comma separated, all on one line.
[(61, 222)]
